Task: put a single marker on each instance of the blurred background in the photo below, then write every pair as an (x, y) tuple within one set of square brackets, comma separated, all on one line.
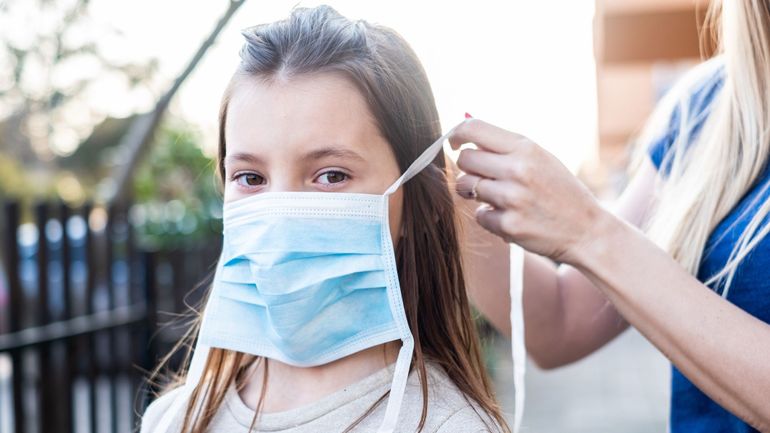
[(110, 213)]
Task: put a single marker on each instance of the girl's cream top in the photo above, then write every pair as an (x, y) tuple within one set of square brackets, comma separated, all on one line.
[(449, 411)]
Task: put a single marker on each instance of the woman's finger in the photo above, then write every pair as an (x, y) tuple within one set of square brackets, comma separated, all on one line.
[(485, 164), (493, 220), (499, 194), (484, 135), (466, 185)]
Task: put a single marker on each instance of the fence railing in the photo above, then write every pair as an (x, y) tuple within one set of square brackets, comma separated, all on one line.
[(79, 317)]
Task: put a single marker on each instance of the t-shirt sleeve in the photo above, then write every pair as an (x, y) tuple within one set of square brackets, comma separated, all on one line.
[(663, 140)]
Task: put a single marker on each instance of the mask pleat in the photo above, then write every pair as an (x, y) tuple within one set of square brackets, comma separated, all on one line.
[(291, 275), (323, 291), (297, 338), (280, 234)]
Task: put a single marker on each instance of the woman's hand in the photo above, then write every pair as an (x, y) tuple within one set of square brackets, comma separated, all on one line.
[(538, 204), (528, 196)]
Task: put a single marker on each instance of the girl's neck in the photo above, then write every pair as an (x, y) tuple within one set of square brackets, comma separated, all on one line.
[(290, 387)]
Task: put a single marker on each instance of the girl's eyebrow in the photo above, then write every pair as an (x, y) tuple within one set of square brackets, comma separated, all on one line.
[(324, 152), (244, 157), (332, 151)]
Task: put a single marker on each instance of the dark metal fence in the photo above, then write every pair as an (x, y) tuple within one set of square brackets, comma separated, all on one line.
[(79, 314)]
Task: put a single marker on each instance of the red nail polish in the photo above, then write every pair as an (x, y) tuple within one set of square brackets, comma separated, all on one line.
[(468, 116)]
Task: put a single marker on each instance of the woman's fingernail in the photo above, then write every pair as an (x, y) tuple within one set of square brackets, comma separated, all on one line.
[(468, 116)]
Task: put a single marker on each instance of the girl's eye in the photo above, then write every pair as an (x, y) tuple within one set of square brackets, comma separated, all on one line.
[(332, 177), (249, 179)]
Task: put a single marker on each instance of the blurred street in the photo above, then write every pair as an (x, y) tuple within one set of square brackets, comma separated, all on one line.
[(621, 388)]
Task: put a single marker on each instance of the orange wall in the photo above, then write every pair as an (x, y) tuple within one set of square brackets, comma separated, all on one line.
[(641, 46)]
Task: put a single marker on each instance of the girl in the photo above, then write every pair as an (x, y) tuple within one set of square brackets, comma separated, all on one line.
[(702, 193), (323, 104)]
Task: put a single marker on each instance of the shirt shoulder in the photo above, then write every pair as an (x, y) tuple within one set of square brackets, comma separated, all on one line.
[(449, 409), (467, 420), (155, 411), (681, 114)]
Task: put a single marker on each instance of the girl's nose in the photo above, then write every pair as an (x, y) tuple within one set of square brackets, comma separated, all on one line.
[(285, 181)]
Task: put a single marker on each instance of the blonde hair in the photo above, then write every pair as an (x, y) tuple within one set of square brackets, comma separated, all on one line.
[(703, 185)]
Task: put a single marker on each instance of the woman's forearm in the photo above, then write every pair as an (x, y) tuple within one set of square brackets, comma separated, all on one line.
[(587, 320), (566, 316), (719, 347)]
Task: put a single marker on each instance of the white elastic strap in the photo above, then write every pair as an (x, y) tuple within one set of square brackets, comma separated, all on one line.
[(420, 163), (518, 347), (398, 387), (198, 362)]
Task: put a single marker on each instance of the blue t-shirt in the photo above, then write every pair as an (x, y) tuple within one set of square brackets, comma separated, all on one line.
[(691, 410)]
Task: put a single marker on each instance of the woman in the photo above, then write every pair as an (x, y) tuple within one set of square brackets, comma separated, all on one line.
[(702, 296), (324, 110)]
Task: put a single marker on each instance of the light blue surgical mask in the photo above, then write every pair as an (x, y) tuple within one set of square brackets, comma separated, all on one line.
[(307, 278), (313, 284)]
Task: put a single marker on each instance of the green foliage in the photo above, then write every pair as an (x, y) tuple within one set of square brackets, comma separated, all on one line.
[(177, 201), (177, 198), (12, 179)]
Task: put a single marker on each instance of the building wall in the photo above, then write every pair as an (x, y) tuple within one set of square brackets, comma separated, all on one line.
[(641, 48)]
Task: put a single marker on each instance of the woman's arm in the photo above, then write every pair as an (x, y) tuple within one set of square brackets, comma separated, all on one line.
[(722, 349), (538, 204), (566, 316)]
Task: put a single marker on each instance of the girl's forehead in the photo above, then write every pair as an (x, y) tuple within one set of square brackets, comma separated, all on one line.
[(302, 111)]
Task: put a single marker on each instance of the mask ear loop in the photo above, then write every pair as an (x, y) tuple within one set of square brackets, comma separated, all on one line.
[(398, 386), (518, 345), (422, 161), (401, 372)]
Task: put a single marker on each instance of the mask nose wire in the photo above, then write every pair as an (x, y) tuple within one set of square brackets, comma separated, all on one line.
[(420, 163)]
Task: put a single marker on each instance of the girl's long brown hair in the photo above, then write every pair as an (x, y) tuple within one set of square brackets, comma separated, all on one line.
[(387, 72)]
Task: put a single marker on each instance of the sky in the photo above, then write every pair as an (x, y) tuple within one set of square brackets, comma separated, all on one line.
[(525, 65)]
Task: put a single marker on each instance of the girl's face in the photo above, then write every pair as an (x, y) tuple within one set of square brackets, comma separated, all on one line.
[(309, 133)]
